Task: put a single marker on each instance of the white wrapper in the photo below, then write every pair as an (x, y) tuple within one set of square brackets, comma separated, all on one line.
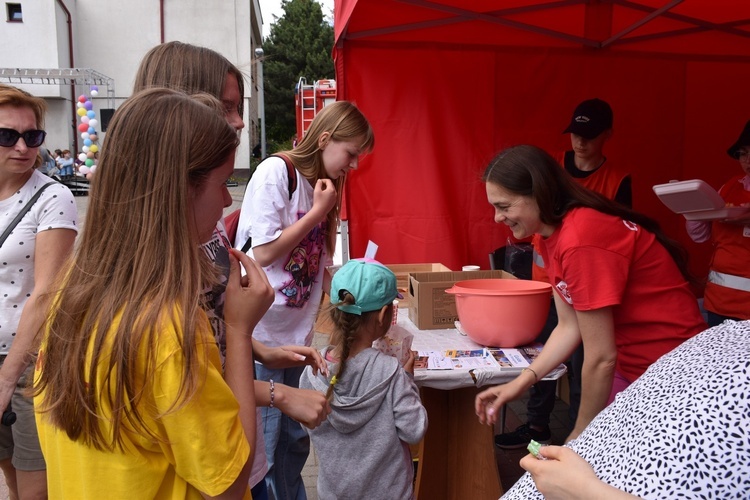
[(396, 343)]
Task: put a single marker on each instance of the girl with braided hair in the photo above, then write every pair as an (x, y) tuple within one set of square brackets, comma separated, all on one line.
[(376, 412)]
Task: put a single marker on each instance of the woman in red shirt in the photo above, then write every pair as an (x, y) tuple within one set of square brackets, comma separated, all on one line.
[(621, 286)]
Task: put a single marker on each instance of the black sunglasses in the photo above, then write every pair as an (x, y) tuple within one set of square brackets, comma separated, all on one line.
[(32, 138)]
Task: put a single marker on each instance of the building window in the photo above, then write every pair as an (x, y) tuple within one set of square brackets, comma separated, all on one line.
[(15, 15)]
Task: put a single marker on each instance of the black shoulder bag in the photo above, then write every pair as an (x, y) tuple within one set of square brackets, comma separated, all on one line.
[(23, 212)]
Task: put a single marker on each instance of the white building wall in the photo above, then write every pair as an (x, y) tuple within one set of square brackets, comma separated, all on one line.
[(111, 37)]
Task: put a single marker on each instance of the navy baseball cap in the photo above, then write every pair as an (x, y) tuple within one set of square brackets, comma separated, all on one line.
[(590, 118)]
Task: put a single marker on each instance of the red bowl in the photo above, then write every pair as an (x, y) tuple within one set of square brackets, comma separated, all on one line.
[(502, 312)]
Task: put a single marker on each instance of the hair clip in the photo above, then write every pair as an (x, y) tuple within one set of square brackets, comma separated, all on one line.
[(334, 379)]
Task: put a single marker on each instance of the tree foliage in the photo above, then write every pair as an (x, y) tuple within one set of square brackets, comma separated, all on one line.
[(299, 45)]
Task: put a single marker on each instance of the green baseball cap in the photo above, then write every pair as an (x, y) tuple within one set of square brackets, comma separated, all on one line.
[(371, 283)]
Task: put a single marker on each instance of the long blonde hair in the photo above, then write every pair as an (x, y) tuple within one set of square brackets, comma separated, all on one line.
[(139, 258), (343, 121)]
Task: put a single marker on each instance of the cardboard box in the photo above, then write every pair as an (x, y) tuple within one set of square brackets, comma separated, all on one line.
[(430, 307), (402, 272)]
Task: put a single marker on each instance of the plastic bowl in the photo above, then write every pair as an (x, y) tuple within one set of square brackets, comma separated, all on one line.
[(502, 312)]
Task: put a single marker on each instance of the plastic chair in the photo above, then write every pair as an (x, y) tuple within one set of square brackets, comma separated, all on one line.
[(515, 259), (497, 259)]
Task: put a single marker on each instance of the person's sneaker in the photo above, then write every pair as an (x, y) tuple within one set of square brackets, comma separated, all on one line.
[(521, 437)]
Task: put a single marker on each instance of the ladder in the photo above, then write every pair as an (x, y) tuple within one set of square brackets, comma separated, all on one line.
[(306, 104)]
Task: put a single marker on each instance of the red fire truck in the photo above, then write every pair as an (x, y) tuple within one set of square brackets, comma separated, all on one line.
[(310, 99)]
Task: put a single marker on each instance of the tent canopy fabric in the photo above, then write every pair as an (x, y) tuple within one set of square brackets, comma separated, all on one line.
[(447, 84)]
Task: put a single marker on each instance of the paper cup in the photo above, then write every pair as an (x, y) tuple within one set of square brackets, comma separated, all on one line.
[(470, 268)]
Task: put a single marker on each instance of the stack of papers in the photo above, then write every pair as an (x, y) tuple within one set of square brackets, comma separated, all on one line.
[(504, 359)]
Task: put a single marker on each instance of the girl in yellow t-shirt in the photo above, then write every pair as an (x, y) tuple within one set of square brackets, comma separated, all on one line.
[(129, 392)]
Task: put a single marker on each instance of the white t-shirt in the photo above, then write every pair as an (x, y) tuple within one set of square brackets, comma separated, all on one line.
[(297, 277), (217, 250), (55, 209)]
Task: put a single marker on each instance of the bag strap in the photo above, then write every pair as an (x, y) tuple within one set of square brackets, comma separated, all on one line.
[(23, 212), (291, 175)]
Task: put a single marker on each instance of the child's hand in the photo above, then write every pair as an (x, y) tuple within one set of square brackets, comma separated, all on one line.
[(309, 408), (409, 365), (324, 196), (248, 297), (292, 355), (487, 403)]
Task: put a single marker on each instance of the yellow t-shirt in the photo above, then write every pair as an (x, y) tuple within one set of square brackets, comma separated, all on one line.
[(202, 446)]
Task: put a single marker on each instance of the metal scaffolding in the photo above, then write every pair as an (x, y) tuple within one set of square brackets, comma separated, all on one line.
[(62, 76)]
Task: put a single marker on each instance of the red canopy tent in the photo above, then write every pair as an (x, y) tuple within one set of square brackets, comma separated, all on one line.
[(447, 84)]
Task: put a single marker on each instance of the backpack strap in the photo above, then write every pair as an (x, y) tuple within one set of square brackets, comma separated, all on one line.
[(291, 175)]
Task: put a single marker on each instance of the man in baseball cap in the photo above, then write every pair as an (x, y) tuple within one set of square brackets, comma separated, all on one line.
[(590, 119), (590, 128)]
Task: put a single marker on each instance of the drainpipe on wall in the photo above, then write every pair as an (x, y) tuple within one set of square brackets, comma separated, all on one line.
[(73, 99), (161, 19)]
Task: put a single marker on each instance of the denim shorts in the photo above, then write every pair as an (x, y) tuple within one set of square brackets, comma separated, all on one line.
[(20, 441)]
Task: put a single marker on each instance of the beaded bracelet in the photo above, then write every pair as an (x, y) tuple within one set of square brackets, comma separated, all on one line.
[(536, 377), (271, 387)]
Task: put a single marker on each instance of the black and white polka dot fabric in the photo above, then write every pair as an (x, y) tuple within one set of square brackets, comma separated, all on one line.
[(682, 430)]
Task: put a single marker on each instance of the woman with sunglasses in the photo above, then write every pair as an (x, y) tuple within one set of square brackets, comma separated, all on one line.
[(727, 294), (29, 259)]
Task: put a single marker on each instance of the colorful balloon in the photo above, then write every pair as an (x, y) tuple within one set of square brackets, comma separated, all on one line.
[(94, 93), (82, 98), (94, 148), (82, 157), (88, 105), (81, 112), (93, 122), (83, 127), (91, 113), (89, 162)]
